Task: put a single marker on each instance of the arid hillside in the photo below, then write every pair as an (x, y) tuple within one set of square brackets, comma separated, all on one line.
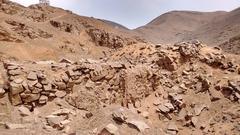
[(176, 26), (52, 33), (212, 28)]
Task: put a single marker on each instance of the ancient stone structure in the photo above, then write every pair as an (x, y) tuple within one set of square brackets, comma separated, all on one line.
[(44, 2)]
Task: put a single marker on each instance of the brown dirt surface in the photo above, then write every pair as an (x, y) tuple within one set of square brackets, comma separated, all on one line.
[(64, 74)]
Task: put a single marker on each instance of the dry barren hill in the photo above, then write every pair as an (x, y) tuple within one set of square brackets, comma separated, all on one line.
[(176, 26), (213, 28), (52, 33)]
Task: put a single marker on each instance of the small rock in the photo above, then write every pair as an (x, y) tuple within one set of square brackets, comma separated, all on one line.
[(156, 102), (24, 111), (15, 99), (43, 99), (119, 115), (163, 109), (60, 94), (12, 67), (236, 94), (172, 127), (39, 85), (64, 111), (2, 92), (15, 126), (65, 122), (32, 76), (27, 98), (65, 77), (169, 106), (67, 130), (55, 121), (14, 72), (140, 125), (61, 85), (18, 80), (194, 121), (145, 114), (110, 129), (15, 88), (215, 95), (47, 87), (90, 84), (64, 60), (199, 108)]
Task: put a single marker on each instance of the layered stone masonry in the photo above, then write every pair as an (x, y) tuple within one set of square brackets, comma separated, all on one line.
[(38, 83)]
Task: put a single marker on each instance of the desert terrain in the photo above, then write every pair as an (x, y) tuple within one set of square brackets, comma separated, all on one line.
[(66, 74)]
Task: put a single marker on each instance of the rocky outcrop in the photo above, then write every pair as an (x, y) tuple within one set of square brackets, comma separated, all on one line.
[(27, 31), (64, 26), (103, 38), (7, 37)]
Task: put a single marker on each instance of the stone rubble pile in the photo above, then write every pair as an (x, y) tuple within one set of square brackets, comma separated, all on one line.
[(182, 80)]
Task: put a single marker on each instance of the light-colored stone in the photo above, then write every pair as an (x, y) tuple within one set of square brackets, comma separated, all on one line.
[(16, 88), (157, 102), (18, 80), (61, 85), (14, 72), (194, 121), (47, 87), (65, 77), (64, 111), (39, 85), (169, 106), (64, 60), (12, 67), (27, 98), (140, 125), (55, 121), (2, 92), (119, 115), (32, 76), (24, 111), (198, 108), (60, 94), (172, 127), (110, 129), (15, 99), (43, 99), (15, 126), (145, 114), (163, 109)]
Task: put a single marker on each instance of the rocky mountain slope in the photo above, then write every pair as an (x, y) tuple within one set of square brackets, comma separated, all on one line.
[(176, 26), (53, 33), (64, 74), (213, 28)]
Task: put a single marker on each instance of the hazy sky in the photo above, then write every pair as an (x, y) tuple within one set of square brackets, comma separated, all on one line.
[(135, 13)]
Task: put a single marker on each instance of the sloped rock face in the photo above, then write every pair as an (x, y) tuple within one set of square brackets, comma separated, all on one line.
[(103, 38), (7, 37), (9, 7), (26, 31), (232, 46), (66, 27)]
